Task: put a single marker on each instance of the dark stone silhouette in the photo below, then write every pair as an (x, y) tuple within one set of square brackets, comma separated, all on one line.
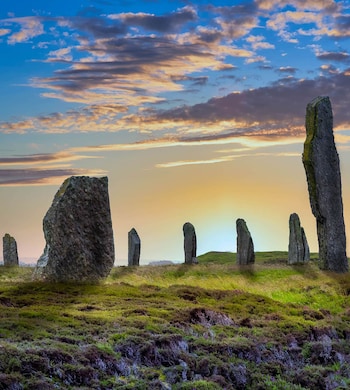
[(190, 243), (245, 246), (134, 248), (298, 248), (10, 254), (321, 163), (78, 232)]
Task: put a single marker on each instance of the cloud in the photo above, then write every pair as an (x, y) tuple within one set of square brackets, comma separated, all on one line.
[(258, 42), (287, 69), (30, 27), (32, 176), (180, 163), (275, 108), (4, 31), (165, 23), (53, 169), (333, 56), (41, 158)]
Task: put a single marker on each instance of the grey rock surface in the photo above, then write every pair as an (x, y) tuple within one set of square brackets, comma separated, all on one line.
[(10, 254), (321, 163), (134, 248), (190, 243), (245, 246), (298, 248), (78, 233)]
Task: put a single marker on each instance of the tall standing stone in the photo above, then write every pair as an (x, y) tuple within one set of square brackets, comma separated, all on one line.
[(298, 248), (10, 253), (245, 246), (190, 243), (134, 248), (78, 233), (321, 163)]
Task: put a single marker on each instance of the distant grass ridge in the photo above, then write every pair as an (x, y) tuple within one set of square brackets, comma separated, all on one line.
[(213, 325)]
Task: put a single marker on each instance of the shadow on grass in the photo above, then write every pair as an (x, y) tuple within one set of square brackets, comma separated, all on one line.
[(121, 271), (248, 271), (182, 270), (307, 269)]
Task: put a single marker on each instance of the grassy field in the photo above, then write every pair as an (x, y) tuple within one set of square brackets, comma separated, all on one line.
[(214, 325)]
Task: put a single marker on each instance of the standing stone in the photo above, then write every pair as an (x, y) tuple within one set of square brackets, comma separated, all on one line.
[(245, 246), (134, 248), (298, 248), (78, 233), (9, 247), (190, 243), (321, 163)]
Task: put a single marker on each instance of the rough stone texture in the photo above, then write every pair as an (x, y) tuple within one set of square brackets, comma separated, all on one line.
[(10, 254), (190, 243), (321, 163), (245, 246), (78, 232), (298, 248), (134, 248)]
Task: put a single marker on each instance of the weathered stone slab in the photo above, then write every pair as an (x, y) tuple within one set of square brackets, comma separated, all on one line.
[(10, 254), (78, 233), (190, 243), (245, 246), (298, 248), (321, 163), (134, 248)]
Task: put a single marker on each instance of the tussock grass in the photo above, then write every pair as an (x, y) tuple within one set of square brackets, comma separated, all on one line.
[(183, 326)]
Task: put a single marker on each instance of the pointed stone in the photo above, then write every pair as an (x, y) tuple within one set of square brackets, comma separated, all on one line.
[(78, 233), (134, 248), (298, 248), (321, 163), (245, 246), (10, 254), (190, 243)]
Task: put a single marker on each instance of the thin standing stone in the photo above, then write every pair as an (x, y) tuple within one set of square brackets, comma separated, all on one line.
[(134, 248), (190, 243), (321, 163), (245, 245)]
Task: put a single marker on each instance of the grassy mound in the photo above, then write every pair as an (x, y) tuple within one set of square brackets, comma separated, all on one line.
[(208, 326)]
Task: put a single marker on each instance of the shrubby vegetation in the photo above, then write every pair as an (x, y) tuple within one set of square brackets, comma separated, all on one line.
[(208, 326)]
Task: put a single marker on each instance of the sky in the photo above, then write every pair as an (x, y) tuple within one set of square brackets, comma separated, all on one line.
[(194, 110)]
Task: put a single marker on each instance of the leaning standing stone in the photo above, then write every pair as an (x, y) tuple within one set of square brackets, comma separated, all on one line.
[(78, 233), (134, 248), (245, 246), (10, 254), (321, 163), (298, 248), (190, 243)]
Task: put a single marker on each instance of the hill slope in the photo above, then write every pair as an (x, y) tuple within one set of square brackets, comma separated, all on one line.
[(207, 326)]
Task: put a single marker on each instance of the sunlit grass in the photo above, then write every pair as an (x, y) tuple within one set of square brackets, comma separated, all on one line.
[(267, 302)]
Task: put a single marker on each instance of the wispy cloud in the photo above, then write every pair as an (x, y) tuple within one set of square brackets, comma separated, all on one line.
[(54, 167), (47, 158), (37, 176), (30, 27), (180, 163)]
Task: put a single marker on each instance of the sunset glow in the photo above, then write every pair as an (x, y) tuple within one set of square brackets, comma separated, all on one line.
[(194, 110)]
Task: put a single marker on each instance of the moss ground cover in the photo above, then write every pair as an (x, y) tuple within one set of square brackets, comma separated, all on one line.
[(208, 326)]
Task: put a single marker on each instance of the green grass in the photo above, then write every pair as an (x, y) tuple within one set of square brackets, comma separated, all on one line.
[(189, 326)]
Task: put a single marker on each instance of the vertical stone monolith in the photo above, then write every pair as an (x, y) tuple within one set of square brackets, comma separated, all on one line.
[(10, 254), (245, 246), (190, 243), (78, 233), (134, 248), (321, 163), (298, 248)]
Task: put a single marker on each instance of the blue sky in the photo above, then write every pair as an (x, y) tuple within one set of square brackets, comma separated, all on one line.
[(179, 103)]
